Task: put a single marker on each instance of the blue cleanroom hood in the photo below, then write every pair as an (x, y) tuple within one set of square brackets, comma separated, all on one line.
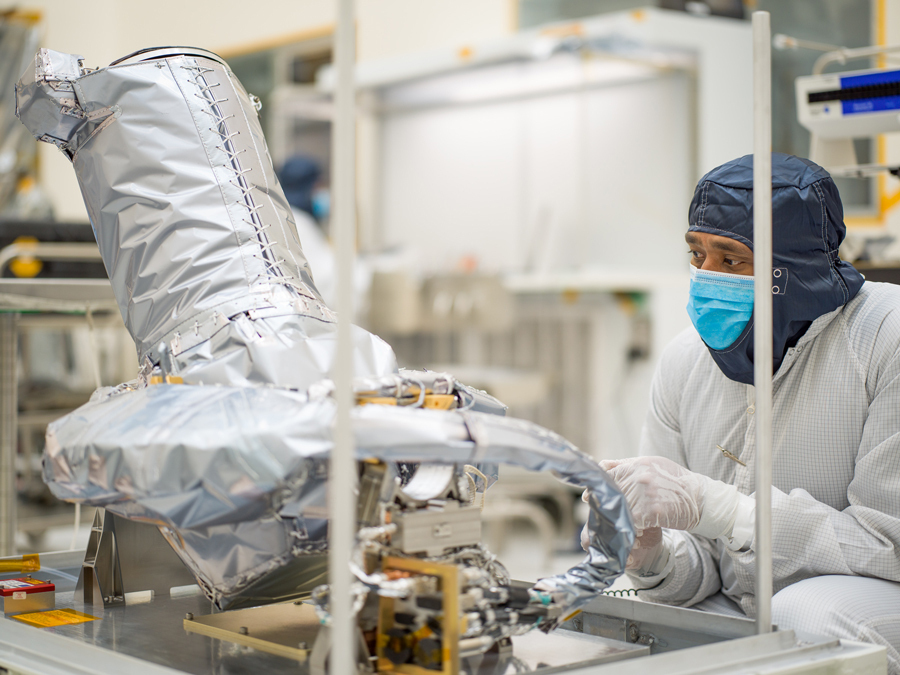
[(807, 229)]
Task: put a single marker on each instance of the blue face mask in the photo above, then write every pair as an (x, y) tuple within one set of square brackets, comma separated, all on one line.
[(720, 306), (321, 204)]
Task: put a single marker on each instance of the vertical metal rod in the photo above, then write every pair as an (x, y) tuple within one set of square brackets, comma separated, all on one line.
[(342, 473), (762, 309), (8, 431)]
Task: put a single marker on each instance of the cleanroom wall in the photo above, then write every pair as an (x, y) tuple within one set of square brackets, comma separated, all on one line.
[(544, 182), (570, 165), (104, 30)]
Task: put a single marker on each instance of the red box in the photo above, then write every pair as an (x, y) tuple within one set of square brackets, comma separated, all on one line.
[(26, 595), (26, 584)]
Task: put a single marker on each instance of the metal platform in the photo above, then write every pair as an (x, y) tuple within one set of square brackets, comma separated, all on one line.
[(147, 636)]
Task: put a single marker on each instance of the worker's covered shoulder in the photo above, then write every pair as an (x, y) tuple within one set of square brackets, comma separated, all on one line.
[(682, 356), (872, 322)]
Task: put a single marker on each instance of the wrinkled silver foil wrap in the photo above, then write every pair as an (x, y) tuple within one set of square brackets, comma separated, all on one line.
[(203, 256)]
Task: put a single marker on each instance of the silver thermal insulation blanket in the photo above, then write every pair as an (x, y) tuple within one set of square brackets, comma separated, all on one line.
[(203, 256)]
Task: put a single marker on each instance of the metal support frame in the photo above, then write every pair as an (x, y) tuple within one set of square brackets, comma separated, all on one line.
[(342, 471), (8, 431), (762, 309), (86, 252), (100, 581), (126, 556), (31, 295)]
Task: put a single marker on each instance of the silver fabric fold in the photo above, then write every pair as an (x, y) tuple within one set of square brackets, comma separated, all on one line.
[(204, 461), (194, 229), (211, 280)]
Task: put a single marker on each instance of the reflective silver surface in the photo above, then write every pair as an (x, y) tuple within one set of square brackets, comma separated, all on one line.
[(194, 229), (210, 278), (153, 631)]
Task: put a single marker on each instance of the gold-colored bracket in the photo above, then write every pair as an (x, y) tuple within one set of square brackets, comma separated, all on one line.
[(450, 627)]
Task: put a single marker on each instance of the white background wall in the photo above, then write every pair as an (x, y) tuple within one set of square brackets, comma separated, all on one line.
[(590, 176), (104, 30), (559, 181)]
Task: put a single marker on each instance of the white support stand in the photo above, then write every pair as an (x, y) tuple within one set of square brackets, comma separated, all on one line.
[(762, 309), (342, 472)]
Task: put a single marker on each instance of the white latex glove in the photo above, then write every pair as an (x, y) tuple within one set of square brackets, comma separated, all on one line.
[(646, 544), (646, 550), (661, 493)]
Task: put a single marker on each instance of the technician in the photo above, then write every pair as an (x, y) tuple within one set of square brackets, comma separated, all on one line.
[(836, 440)]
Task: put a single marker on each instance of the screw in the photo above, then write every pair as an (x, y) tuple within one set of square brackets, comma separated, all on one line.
[(189, 616), (633, 634), (303, 645), (244, 630)]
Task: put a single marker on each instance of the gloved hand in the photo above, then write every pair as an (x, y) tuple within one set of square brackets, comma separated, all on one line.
[(661, 493), (646, 549)]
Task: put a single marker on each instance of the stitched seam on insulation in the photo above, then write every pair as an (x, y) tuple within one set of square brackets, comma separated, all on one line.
[(273, 272), (265, 179), (250, 304), (202, 318), (100, 127), (208, 157), (77, 91), (234, 166)]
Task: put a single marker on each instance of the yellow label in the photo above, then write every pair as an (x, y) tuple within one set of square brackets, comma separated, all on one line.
[(27, 563), (54, 617), (170, 379)]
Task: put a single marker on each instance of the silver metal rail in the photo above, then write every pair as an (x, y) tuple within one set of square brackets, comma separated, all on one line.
[(342, 473), (842, 55), (8, 432), (762, 308), (49, 251)]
